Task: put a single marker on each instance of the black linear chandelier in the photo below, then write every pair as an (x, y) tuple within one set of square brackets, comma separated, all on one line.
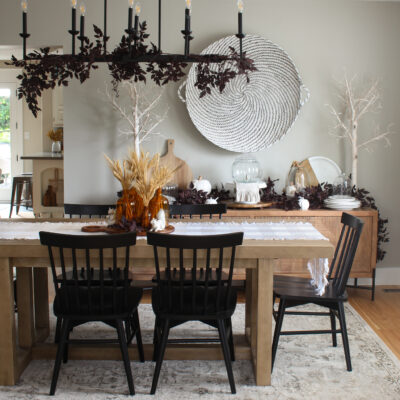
[(132, 58)]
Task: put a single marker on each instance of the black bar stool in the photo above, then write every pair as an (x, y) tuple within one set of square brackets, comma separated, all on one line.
[(17, 186)]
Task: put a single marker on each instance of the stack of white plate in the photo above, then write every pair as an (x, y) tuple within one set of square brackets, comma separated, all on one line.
[(339, 202)]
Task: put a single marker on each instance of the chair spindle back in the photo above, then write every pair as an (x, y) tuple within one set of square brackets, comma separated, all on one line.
[(345, 251), (192, 275), (94, 276), (181, 210)]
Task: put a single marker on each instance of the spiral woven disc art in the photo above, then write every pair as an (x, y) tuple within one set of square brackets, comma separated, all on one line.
[(248, 117)]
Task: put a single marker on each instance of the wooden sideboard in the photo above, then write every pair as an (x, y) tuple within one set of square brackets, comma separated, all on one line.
[(328, 223)]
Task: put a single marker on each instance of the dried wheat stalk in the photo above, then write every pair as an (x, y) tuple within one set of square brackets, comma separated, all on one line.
[(124, 174), (149, 175)]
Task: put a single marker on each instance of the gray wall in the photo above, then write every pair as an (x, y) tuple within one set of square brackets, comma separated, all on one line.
[(323, 37)]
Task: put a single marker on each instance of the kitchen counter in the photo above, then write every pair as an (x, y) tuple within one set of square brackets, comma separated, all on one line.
[(47, 173), (44, 156)]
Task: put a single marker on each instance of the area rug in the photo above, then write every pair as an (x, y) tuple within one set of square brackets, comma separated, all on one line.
[(306, 367)]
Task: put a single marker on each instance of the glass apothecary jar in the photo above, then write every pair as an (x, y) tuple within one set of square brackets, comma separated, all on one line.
[(246, 169), (297, 180), (342, 185)]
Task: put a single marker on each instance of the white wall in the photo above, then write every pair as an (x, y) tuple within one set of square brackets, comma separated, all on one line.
[(322, 37)]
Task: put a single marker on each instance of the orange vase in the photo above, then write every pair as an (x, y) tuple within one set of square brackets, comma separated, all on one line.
[(125, 207)]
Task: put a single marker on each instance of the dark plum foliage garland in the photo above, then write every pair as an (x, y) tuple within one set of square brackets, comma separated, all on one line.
[(42, 70)]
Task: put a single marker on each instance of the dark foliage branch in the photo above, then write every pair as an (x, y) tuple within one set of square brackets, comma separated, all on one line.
[(42, 70), (194, 196)]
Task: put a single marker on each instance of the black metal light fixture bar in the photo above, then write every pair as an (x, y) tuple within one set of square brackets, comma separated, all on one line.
[(133, 34)]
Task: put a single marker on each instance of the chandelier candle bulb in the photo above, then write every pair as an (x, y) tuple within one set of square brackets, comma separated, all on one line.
[(24, 34), (82, 25), (130, 16), (73, 28), (187, 14), (24, 7), (240, 16), (137, 13)]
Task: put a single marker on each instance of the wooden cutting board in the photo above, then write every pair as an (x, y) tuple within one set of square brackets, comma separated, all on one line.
[(183, 176)]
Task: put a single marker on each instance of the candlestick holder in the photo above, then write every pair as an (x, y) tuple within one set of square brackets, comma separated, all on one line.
[(73, 33), (187, 36), (240, 36), (24, 36), (131, 36), (82, 39)]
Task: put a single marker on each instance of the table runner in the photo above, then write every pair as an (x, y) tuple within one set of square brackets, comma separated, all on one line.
[(255, 230)]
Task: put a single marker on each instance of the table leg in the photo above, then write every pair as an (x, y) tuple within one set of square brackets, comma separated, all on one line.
[(8, 348), (261, 335), (26, 325), (248, 304), (41, 303)]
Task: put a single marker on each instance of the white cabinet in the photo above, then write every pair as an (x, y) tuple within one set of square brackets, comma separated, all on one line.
[(58, 106)]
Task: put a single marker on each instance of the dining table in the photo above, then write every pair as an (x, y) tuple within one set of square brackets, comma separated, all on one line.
[(23, 334)]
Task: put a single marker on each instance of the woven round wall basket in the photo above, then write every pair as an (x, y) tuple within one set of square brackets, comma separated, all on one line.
[(248, 117)]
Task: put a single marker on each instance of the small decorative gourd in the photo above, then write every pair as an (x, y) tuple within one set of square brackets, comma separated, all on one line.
[(304, 204), (202, 184)]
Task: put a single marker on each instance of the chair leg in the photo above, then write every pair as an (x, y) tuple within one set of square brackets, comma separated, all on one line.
[(345, 339), (129, 330), (156, 339), (227, 355), (58, 330), (60, 352), (160, 355), (373, 284), (333, 327), (20, 187), (66, 346), (14, 186), (138, 336), (230, 338), (278, 328), (125, 355)]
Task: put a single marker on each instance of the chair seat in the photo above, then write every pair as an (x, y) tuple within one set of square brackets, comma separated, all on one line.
[(295, 288), (161, 304), (122, 308)]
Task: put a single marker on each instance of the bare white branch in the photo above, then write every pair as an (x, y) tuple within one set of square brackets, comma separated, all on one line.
[(140, 114), (347, 122)]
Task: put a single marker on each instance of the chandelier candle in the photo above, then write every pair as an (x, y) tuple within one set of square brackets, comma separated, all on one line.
[(82, 27), (73, 30), (24, 34), (130, 15), (136, 29), (187, 31), (240, 34)]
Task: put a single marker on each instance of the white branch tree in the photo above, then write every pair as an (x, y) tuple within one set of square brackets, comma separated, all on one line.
[(355, 106), (140, 114)]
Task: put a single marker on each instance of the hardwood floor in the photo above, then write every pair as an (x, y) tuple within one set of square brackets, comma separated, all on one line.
[(382, 315)]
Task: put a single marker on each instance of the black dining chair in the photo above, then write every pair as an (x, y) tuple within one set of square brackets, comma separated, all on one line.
[(89, 210), (191, 286), (296, 291), (182, 210), (105, 298)]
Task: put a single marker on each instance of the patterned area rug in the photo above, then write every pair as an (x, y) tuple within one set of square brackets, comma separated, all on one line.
[(307, 367)]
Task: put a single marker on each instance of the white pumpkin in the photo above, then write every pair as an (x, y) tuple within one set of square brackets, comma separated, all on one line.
[(202, 184), (212, 201), (304, 204)]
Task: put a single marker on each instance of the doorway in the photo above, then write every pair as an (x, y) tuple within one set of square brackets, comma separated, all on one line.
[(11, 141)]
